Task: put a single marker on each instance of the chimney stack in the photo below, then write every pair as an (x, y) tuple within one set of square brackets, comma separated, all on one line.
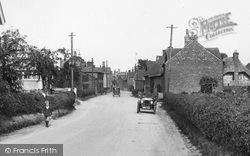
[(187, 38), (236, 66)]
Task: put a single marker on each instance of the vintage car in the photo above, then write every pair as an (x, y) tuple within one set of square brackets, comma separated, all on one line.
[(116, 91), (147, 102)]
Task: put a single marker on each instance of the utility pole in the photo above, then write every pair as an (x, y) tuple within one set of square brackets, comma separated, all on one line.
[(171, 35), (106, 71), (170, 51), (92, 62), (72, 71)]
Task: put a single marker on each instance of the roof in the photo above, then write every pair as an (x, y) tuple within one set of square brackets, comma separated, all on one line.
[(229, 66), (213, 51), (129, 75), (95, 70), (139, 75), (155, 68), (121, 76)]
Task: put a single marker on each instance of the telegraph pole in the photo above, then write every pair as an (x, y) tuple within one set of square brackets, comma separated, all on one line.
[(92, 62), (170, 51), (72, 71), (171, 35), (106, 71)]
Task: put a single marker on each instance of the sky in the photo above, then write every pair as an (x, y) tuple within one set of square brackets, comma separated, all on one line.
[(123, 31)]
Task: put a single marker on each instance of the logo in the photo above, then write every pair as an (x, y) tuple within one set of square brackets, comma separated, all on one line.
[(7, 150), (212, 27)]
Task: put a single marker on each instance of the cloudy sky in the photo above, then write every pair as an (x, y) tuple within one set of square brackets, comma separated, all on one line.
[(122, 31)]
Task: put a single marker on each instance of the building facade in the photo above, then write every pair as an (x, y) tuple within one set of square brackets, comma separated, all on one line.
[(184, 67)]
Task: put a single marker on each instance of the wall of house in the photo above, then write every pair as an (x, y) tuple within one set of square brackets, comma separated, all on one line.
[(32, 84), (243, 80), (139, 84), (187, 67), (159, 80), (228, 79)]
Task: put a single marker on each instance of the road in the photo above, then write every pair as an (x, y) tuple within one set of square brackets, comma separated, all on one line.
[(108, 126)]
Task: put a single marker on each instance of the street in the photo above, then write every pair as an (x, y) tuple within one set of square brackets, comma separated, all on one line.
[(108, 126)]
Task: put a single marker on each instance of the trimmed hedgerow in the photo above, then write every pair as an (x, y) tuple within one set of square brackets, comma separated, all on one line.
[(12, 104), (85, 92), (225, 121)]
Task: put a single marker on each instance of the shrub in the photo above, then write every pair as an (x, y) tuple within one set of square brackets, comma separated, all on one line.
[(85, 92), (13, 104), (226, 121), (136, 91)]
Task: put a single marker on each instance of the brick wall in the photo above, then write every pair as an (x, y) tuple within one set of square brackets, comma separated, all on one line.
[(188, 66)]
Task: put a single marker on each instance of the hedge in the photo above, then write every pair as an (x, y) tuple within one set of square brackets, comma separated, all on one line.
[(85, 92), (13, 104), (225, 121)]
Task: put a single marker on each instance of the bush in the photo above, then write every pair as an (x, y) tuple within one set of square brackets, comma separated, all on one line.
[(85, 92), (13, 104), (136, 91), (225, 121)]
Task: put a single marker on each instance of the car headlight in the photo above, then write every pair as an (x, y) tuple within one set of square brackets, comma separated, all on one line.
[(141, 101), (151, 102)]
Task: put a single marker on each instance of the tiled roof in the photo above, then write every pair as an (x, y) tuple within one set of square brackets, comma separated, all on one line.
[(174, 51), (139, 75), (129, 75), (214, 51), (155, 68), (229, 66)]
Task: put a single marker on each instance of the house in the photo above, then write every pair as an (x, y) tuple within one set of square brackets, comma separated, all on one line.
[(107, 76), (234, 72), (139, 79), (128, 81), (184, 67), (92, 77), (120, 81), (155, 75)]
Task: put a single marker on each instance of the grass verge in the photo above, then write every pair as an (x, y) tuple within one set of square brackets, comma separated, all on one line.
[(8, 125)]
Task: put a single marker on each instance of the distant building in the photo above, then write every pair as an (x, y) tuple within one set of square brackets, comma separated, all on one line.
[(234, 72), (139, 79), (155, 75)]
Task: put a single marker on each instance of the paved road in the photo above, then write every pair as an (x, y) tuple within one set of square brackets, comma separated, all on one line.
[(108, 126)]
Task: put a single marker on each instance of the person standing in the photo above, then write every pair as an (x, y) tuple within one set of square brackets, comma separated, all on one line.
[(47, 112)]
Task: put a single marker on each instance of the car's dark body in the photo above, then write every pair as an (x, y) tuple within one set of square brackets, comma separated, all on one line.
[(116, 91), (147, 103)]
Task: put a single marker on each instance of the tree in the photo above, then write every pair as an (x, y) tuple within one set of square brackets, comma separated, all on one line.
[(42, 63), (63, 78), (12, 57), (142, 64), (207, 84), (248, 66), (223, 55)]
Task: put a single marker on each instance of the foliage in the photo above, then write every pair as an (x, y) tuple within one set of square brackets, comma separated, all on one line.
[(223, 55), (12, 104), (225, 121), (85, 92), (207, 84), (41, 63), (12, 46), (142, 64), (248, 66), (63, 77), (136, 91)]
